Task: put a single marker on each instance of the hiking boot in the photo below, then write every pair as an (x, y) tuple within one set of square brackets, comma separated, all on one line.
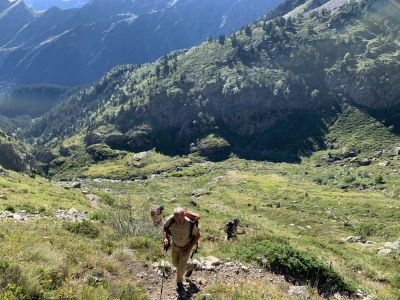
[(180, 288)]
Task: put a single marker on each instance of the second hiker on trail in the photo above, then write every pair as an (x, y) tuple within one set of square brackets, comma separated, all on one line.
[(157, 215), (184, 235), (231, 229)]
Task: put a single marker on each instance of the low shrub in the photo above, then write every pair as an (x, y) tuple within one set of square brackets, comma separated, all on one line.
[(10, 208), (283, 259), (101, 152), (84, 228), (379, 179), (214, 148), (10, 274), (367, 229)]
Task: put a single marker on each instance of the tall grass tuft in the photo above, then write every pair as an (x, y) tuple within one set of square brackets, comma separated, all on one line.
[(130, 220)]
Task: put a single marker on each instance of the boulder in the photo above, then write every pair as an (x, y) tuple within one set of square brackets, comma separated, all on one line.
[(299, 292), (101, 152), (69, 185), (365, 162), (347, 223), (384, 163), (200, 192), (74, 185), (355, 239), (395, 246), (73, 211), (209, 263), (135, 141), (139, 156), (385, 252), (397, 151), (197, 264), (263, 261), (2, 197), (214, 148), (214, 261), (159, 265)]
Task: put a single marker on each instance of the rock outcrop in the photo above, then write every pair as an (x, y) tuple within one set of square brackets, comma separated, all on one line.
[(14, 155)]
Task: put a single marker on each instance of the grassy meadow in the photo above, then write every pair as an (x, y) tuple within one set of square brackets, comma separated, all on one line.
[(296, 216)]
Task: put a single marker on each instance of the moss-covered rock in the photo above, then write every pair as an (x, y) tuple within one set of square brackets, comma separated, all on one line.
[(136, 141), (214, 147), (101, 152)]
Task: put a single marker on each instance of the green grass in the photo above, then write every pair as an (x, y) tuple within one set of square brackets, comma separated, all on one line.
[(283, 201), (38, 194), (279, 202)]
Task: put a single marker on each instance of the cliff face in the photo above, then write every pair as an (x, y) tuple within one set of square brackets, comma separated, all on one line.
[(14, 156), (372, 83)]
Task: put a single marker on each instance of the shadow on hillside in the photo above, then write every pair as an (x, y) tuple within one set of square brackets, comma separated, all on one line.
[(299, 134), (389, 117)]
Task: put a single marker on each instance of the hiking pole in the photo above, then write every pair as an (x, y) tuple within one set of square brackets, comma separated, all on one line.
[(163, 276), (196, 250), (166, 248)]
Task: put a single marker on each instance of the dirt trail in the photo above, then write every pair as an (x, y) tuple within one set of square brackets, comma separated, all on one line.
[(227, 274)]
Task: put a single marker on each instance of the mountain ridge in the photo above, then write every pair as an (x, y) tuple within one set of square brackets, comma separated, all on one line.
[(77, 46), (242, 87)]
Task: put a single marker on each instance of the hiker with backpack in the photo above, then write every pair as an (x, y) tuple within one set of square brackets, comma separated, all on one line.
[(157, 215), (231, 229), (182, 233)]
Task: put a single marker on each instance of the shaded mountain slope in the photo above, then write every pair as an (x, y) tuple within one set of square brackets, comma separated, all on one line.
[(245, 88)]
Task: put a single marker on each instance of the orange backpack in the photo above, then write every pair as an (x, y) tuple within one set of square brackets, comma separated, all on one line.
[(195, 218)]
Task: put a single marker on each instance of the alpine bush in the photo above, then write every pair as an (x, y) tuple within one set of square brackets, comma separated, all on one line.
[(283, 259), (84, 228)]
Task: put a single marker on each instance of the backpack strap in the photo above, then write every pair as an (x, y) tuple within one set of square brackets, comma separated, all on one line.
[(191, 230), (168, 228)]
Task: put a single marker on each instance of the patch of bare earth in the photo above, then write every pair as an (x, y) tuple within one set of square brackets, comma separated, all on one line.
[(227, 274)]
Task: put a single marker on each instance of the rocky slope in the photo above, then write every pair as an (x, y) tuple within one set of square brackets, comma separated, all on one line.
[(14, 155), (268, 90), (76, 46)]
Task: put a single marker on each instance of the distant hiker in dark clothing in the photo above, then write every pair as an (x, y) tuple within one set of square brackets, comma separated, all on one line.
[(231, 229), (184, 234), (157, 215)]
